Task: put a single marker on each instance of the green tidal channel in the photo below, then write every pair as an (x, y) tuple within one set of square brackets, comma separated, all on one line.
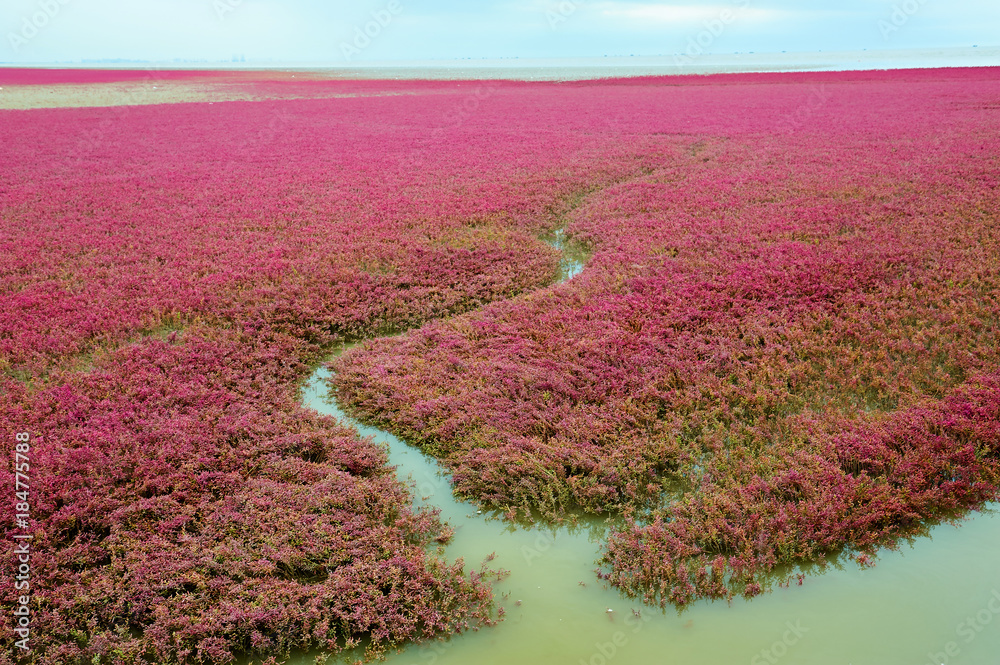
[(935, 601)]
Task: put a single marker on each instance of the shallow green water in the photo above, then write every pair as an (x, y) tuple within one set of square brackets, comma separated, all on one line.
[(909, 606)]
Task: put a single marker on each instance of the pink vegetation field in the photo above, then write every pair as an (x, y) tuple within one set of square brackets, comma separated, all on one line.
[(784, 343)]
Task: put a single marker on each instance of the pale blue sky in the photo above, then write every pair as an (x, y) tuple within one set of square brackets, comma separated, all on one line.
[(316, 31)]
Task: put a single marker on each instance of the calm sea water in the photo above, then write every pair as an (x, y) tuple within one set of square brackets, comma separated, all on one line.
[(590, 68), (555, 69)]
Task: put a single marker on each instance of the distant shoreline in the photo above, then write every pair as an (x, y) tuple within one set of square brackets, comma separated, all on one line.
[(552, 69)]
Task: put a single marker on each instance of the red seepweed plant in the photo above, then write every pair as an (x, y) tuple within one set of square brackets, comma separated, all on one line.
[(784, 343)]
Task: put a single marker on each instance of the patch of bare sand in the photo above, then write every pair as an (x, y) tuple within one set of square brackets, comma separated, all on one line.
[(74, 95), (119, 94)]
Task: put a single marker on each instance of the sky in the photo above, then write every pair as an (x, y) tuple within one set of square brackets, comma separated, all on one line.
[(337, 32)]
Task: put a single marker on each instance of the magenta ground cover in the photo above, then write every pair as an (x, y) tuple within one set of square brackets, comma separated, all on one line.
[(783, 344)]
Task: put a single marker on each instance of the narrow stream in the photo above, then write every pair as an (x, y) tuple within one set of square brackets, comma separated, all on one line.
[(935, 602)]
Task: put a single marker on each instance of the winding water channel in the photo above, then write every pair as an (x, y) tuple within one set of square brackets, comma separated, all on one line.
[(935, 601)]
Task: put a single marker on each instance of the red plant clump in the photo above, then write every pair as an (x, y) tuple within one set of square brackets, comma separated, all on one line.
[(785, 342), (182, 492)]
